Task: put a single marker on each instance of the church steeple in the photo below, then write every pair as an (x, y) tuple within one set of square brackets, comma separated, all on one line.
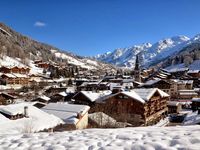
[(137, 69), (137, 65)]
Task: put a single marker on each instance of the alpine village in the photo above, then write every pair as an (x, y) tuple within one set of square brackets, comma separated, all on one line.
[(43, 89)]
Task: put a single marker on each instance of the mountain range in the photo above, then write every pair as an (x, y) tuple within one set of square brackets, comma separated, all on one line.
[(150, 54), (166, 52), (21, 50)]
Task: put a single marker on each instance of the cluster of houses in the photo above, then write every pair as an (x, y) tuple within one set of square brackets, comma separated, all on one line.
[(15, 75), (143, 98)]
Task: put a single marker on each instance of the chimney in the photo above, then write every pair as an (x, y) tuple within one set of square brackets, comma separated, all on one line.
[(79, 115), (26, 111)]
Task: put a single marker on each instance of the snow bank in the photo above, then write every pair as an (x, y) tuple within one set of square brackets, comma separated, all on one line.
[(192, 118), (143, 138)]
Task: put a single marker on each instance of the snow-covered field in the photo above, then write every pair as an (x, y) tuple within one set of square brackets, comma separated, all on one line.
[(141, 138)]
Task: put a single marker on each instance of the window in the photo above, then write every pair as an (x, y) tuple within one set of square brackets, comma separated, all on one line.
[(125, 97), (122, 97)]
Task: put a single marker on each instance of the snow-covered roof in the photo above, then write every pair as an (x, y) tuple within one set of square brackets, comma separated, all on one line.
[(64, 94), (151, 82), (37, 120), (18, 75), (174, 70), (44, 98), (196, 99), (193, 71), (9, 75), (115, 85), (163, 94), (93, 96), (60, 80), (127, 84), (67, 112), (12, 109), (173, 103), (15, 75), (71, 89), (133, 95), (147, 93), (187, 92), (185, 81), (103, 83), (127, 80), (165, 72), (140, 95)]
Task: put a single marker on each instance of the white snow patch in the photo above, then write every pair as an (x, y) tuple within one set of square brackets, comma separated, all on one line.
[(142, 138)]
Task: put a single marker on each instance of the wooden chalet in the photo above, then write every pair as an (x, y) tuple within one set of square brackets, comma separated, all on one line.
[(138, 106), (6, 99), (16, 69), (55, 90), (15, 78), (89, 97), (42, 99), (157, 83), (178, 73), (194, 73), (5, 69), (174, 107), (59, 97), (88, 86), (43, 65), (93, 86)]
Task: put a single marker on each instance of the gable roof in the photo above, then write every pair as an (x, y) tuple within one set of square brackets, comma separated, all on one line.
[(67, 112), (133, 95), (43, 97), (8, 95), (64, 94), (153, 81), (147, 93), (93, 96)]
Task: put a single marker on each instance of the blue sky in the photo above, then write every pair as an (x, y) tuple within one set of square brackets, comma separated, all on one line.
[(90, 27)]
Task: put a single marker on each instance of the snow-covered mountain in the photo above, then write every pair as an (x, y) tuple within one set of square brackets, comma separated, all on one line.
[(149, 53), (123, 57), (17, 49)]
